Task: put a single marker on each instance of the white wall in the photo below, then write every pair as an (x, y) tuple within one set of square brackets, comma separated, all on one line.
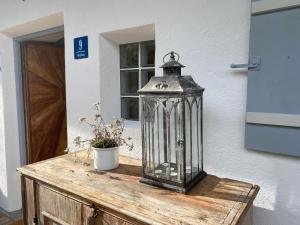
[(3, 180), (9, 150), (209, 35)]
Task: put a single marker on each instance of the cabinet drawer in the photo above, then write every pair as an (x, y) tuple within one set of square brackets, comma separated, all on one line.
[(57, 209), (103, 218)]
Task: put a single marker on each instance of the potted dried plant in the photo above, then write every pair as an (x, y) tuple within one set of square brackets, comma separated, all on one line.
[(106, 140)]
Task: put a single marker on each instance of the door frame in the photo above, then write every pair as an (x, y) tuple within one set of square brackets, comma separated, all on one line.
[(17, 42)]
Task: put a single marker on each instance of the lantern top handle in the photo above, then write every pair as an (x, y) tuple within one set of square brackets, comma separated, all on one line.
[(172, 67), (172, 56)]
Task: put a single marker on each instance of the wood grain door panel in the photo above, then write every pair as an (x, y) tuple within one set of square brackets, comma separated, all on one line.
[(44, 99)]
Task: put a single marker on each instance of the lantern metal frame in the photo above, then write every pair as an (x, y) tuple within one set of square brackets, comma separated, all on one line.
[(160, 90)]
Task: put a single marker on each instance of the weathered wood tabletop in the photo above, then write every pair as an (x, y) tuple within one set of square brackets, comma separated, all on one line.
[(213, 201)]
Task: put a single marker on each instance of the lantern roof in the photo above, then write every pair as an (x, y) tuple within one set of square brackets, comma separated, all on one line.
[(172, 61), (172, 82), (167, 85)]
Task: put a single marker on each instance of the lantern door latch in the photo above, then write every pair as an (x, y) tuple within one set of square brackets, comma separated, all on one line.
[(254, 64)]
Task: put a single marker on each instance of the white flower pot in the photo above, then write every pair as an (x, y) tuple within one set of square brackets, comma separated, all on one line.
[(106, 158)]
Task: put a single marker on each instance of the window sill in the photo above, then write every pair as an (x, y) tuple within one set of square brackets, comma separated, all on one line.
[(132, 124)]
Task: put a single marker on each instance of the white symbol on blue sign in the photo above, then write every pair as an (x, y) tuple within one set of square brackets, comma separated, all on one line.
[(80, 44), (81, 47)]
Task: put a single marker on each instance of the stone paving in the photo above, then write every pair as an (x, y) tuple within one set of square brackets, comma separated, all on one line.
[(8, 218)]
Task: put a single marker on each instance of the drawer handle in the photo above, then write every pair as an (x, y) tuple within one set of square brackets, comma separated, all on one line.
[(91, 220)]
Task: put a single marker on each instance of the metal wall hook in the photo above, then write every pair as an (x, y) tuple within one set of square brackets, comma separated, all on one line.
[(241, 66), (254, 64)]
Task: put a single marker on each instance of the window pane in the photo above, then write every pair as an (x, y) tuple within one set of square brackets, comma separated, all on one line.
[(130, 108), (147, 53), (129, 82), (129, 55), (146, 76)]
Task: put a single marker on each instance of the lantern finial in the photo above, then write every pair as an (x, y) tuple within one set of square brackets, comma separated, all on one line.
[(172, 67), (172, 57)]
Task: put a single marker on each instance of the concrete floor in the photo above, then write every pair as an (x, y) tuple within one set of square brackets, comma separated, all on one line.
[(8, 218)]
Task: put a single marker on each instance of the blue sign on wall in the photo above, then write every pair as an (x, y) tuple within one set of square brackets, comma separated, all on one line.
[(81, 48)]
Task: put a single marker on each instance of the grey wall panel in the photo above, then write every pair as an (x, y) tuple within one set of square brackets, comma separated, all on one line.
[(275, 88), (273, 139)]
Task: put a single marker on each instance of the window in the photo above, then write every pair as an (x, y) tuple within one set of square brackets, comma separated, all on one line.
[(137, 63)]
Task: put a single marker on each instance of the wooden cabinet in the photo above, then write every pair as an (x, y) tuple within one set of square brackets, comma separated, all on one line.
[(45, 205), (63, 191)]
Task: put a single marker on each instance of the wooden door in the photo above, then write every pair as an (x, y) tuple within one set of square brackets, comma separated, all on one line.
[(44, 100)]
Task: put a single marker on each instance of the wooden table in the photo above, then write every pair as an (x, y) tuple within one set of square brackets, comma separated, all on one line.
[(64, 191)]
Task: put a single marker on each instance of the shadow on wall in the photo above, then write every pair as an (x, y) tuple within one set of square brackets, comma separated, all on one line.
[(264, 216), (286, 208), (3, 199)]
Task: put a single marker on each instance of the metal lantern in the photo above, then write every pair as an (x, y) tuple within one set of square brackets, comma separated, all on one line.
[(172, 135)]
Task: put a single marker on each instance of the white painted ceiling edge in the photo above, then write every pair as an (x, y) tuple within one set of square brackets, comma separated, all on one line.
[(271, 5), (44, 23), (130, 35), (50, 38)]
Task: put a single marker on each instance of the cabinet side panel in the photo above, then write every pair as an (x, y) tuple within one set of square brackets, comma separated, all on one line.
[(248, 218), (29, 206)]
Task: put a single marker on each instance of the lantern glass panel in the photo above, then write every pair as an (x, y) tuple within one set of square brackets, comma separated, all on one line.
[(195, 137), (188, 126), (193, 145), (200, 149), (162, 131)]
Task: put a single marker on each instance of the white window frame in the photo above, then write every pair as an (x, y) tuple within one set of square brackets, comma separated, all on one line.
[(140, 68)]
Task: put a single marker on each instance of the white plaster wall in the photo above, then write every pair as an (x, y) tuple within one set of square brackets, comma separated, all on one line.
[(9, 150), (209, 35), (3, 180)]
